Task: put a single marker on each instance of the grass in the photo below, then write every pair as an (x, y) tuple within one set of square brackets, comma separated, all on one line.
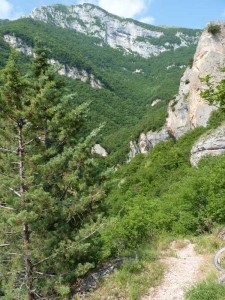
[(208, 243), (133, 279), (209, 289)]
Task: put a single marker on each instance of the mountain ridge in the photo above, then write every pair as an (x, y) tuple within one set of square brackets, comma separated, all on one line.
[(133, 36), (131, 82)]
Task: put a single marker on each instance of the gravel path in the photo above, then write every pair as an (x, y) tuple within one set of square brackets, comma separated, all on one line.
[(182, 271)]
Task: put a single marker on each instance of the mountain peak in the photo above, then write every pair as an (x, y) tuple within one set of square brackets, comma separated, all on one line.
[(127, 34)]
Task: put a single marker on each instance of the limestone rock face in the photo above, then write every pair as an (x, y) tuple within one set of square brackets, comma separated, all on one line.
[(155, 102), (72, 72), (188, 109), (134, 150), (156, 137), (146, 142), (112, 30), (18, 44), (98, 149), (211, 144)]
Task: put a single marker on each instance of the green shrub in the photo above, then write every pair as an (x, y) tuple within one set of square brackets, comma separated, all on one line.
[(213, 28), (207, 290), (190, 62)]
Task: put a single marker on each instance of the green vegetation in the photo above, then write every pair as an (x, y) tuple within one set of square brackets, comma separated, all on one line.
[(213, 28), (208, 290), (163, 193), (57, 198), (49, 185), (125, 102), (131, 281), (214, 94)]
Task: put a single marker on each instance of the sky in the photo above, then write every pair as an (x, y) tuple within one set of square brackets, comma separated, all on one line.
[(184, 13)]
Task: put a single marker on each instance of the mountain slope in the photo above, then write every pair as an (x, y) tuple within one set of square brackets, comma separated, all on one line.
[(130, 82), (131, 35)]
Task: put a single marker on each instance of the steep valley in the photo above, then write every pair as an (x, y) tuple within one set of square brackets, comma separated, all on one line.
[(130, 81)]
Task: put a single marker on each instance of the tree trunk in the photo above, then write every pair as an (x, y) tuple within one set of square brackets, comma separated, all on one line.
[(26, 232)]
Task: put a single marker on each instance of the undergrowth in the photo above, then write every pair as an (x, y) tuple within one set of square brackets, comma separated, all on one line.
[(207, 290), (133, 278)]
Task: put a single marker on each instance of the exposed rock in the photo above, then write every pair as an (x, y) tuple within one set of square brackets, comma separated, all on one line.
[(81, 75), (18, 44), (146, 142), (72, 72), (211, 144), (93, 279), (112, 30), (188, 110), (98, 149), (156, 101), (174, 66), (221, 233), (138, 71), (134, 150), (156, 137)]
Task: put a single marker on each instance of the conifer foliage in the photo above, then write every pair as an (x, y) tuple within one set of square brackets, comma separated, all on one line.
[(49, 202)]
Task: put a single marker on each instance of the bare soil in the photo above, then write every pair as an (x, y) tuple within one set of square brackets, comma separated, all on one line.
[(183, 269)]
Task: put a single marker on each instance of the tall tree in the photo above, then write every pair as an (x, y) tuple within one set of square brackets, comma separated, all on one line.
[(49, 199)]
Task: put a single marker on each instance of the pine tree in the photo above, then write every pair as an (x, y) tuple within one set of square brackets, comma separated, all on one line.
[(49, 198)]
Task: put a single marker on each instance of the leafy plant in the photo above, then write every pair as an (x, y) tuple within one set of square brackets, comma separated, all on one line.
[(213, 28)]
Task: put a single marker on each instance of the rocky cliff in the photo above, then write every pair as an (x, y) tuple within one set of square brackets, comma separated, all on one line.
[(130, 35), (210, 144), (188, 110), (69, 71), (147, 141)]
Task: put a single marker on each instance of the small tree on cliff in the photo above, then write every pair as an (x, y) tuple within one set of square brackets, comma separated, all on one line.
[(48, 199), (214, 94)]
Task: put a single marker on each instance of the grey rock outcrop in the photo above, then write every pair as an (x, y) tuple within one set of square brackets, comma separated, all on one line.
[(18, 44), (134, 150), (210, 144), (72, 72), (155, 102), (144, 144), (156, 137), (98, 149), (188, 110), (147, 141), (112, 30)]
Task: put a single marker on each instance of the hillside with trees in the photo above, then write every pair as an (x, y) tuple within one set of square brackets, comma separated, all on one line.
[(124, 89), (73, 222)]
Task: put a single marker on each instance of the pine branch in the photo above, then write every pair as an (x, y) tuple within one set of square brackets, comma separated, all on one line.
[(3, 149), (27, 143), (15, 192), (44, 274), (4, 245), (6, 207), (62, 251), (6, 175)]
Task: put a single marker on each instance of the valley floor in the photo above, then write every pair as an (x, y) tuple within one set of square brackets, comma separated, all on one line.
[(184, 268)]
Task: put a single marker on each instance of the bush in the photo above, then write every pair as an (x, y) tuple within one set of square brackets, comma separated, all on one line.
[(208, 290), (190, 62), (213, 28)]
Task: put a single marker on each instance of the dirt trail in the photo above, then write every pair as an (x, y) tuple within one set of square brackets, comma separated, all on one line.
[(183, 270)]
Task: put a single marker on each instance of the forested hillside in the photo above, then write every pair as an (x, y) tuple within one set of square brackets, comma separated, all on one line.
[(66, 212), (130, 82)]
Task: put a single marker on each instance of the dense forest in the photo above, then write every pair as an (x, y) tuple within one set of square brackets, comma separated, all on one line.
[(116, 104)]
